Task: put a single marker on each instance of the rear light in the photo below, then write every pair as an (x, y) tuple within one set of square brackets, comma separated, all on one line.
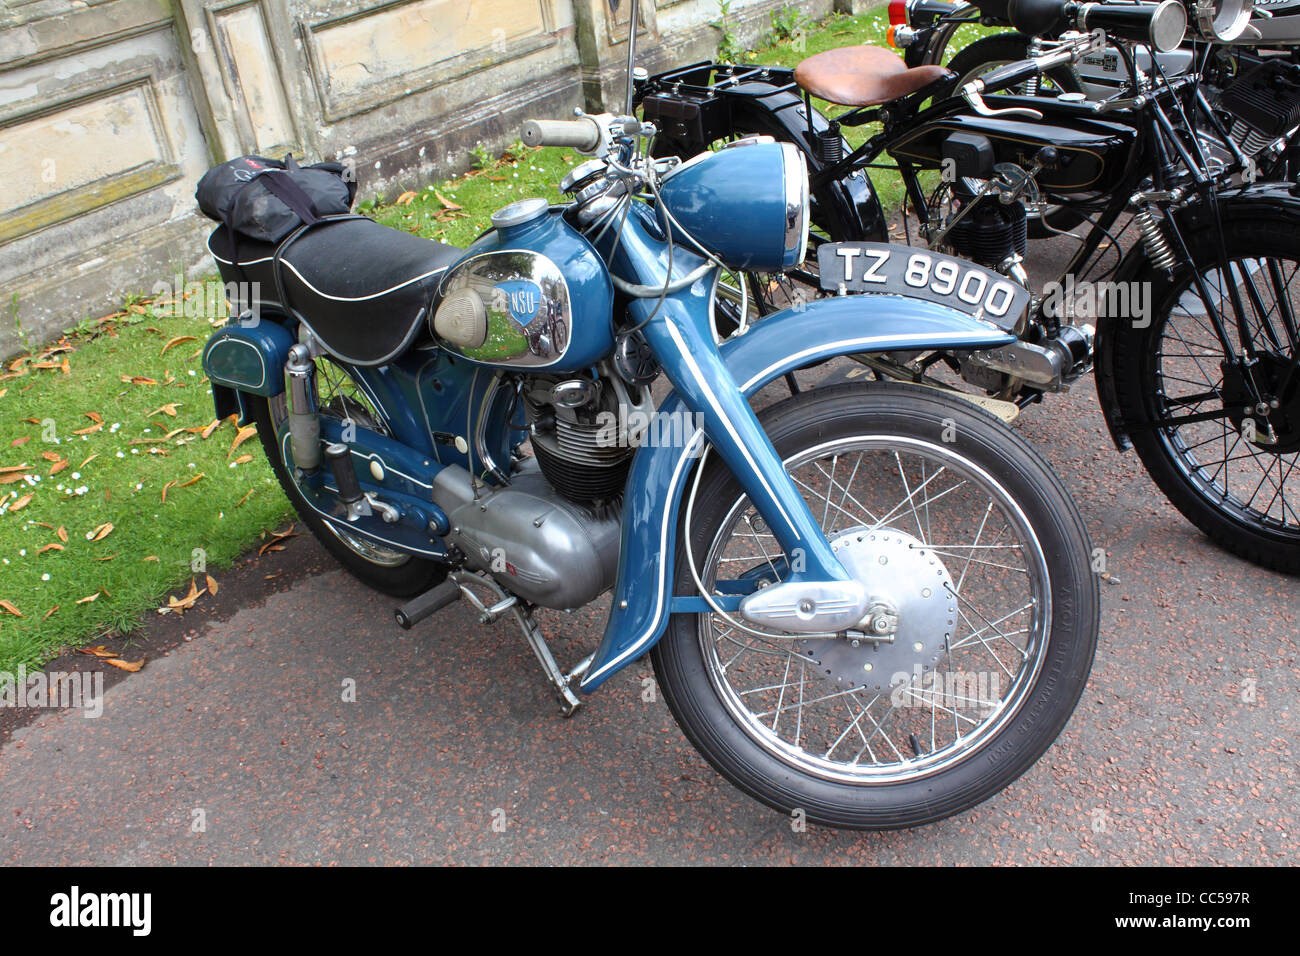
[(889, 34), (897, 12)]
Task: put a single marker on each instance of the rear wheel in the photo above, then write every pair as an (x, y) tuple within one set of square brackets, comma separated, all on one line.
[(385, 569), (965, 532)]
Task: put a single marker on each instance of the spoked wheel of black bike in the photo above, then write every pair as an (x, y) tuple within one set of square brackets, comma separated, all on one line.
[(968, 535), (387, 570), (1222, 441)]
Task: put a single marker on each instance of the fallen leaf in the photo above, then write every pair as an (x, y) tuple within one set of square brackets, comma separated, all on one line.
[(167, 488), (89, 598), (243, 459), (95, 417), (100, 532), (404, 199), (22, 502), (51, 455), (152, 557), (19, 441), (88, 430), (138, 380), (89, 460), (59, 466), (12, 479), (99, 650), (11, 609), (207, 432), (177, 341), (248, 494), (131, 666), (63, 534), (107, 557), (50, 611), (245, 433), (168, 409), (212, 585), (9, 469), (446, 203), (52, 546)]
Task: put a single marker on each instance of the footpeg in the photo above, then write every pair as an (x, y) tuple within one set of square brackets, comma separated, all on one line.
[(428, 603)]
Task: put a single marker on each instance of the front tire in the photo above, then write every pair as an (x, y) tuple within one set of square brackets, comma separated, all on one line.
[(1232, 488), (992, 504)]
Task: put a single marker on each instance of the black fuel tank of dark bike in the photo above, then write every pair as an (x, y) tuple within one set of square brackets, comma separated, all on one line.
[(1092, 155)]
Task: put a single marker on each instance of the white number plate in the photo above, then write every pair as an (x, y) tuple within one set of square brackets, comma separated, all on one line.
[(920, 274)]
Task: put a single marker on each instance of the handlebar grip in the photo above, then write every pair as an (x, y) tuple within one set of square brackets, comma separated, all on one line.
[(1009, 75), (1038, 17), (1159, 25), (580, 134)]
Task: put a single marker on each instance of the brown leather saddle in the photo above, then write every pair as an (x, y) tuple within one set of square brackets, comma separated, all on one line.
[(863, 76)]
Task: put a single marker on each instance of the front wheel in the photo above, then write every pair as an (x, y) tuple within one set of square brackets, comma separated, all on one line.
[(959, 528), (1217, 424)]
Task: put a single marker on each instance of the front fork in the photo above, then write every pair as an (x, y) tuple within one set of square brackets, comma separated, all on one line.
[(819, 595)]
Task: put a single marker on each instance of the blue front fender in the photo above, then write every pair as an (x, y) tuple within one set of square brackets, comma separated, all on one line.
[(780, 343)]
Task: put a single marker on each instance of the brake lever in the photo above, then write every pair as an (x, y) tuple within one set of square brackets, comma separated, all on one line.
[(971, 94)]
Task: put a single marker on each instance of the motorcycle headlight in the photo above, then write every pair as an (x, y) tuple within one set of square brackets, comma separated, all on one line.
[(1220, 20)]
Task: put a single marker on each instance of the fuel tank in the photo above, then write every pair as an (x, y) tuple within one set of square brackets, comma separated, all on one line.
[(1092, 155)]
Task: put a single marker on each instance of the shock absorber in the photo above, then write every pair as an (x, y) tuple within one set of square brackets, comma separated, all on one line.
[(304, 422), (1153, 239)]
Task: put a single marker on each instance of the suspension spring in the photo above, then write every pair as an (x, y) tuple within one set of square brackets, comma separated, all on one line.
[(830, 145), (1153, 238)]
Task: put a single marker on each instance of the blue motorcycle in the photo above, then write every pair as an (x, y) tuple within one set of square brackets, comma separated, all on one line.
[(869, 603)]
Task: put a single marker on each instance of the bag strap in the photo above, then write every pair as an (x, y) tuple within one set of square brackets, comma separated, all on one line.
[(282, 186)]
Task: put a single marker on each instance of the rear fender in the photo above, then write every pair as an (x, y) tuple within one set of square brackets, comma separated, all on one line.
[(823, 329)]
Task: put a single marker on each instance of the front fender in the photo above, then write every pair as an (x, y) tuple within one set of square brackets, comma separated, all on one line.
[(780, 343)]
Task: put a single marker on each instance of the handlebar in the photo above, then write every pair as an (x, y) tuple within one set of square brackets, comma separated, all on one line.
[(580, 134), (1159, 25)]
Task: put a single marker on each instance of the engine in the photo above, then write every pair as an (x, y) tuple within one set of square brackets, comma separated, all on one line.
[(584, 431)]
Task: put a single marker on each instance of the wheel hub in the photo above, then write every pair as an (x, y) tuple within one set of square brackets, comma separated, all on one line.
[(909, 622), (1253, 393)]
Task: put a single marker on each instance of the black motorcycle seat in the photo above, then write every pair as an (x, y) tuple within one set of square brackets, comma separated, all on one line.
[(363, 289)]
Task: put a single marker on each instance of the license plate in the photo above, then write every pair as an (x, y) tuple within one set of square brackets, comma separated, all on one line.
[(891, 269)]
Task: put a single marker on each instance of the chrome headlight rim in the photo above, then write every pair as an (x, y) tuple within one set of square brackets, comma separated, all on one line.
[(1221, 21), (798, 218)]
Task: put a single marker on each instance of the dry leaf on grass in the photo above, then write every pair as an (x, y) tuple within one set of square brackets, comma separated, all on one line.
[(22, 502), (177, 341), (88, 598), (8, 606), (245, 433), (52, 546), (100, 532), (62, 532)]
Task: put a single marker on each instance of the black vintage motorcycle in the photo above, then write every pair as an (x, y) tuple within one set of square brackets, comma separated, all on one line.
[(1247, 53), (1196, 342)]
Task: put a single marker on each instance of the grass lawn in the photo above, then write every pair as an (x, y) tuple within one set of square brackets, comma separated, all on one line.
[(97, 430)]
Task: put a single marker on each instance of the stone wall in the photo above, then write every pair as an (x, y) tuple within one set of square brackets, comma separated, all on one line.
[(110, 111)]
